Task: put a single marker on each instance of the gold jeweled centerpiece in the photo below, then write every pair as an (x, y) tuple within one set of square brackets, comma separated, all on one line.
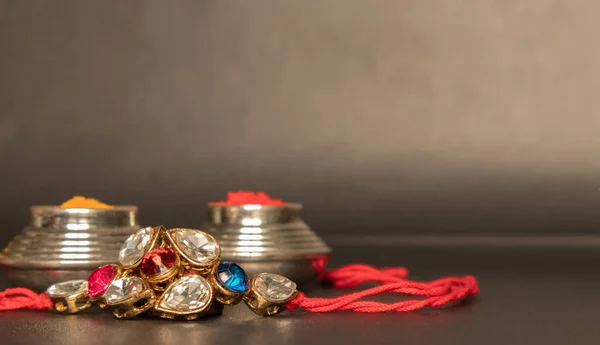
[(173, 274)]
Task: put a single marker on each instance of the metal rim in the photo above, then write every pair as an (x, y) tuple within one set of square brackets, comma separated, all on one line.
[(50, 210), (253, 207)]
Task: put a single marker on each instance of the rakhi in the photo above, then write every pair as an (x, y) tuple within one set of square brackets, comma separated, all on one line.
[(178, 274)]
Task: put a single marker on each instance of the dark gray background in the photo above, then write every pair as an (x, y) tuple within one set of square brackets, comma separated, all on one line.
[(382, 117)]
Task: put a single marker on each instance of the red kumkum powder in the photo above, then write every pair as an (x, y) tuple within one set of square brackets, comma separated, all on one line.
[(244, 197)]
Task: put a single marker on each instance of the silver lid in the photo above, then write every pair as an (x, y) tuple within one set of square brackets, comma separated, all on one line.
[(65, 218), (253, 215)]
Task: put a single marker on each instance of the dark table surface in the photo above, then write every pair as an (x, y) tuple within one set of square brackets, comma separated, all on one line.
[(529, 295)]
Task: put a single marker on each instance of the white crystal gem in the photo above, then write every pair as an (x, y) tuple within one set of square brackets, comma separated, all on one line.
[(186, 294), (123, 288), (135, 246), (273, 287), (68, 288), (197, 245)]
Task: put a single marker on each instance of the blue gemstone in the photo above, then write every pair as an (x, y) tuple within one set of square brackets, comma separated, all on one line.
[(232, 276)]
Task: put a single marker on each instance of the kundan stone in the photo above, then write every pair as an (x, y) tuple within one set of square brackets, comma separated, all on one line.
[(232, 277), (100, 279), (124, 288), (196, 245), (68, 288), (135, 246), (274, 287), (189, 293), (158, 261)]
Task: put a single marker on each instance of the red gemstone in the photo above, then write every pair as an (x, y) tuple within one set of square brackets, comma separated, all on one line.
[(157, 261), (100, 279)]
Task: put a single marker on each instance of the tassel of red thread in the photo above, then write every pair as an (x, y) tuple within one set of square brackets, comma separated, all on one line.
[(21, 298), (438, 293)]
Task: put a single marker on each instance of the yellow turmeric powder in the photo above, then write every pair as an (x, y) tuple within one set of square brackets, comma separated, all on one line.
[(83, 202)]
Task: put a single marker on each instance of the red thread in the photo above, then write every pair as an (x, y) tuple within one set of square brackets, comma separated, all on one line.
[(438, 293), (243, 197), (21, 298)]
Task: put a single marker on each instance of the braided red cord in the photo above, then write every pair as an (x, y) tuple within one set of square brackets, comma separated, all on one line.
[(439, 292), (21, 298)]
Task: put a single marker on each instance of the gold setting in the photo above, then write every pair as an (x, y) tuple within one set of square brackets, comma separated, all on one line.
[(203, 268), (155, 288), (261, 305), (160, 281), (72, 303), (189, 314), (119, 273), (222, 294), (156, 235), (134, 305)]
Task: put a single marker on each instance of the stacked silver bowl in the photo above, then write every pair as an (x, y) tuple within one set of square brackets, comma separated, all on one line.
[(61, 244), (265, 238)]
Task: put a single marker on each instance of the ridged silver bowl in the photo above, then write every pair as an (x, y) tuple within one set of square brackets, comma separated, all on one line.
[(266, 238), (62, 244)]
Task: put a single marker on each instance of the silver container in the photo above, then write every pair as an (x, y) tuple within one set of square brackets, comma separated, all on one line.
[(264, 238), (61, 244)]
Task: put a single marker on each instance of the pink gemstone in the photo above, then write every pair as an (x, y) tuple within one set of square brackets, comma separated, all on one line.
[(157, 261), (100, 279)]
